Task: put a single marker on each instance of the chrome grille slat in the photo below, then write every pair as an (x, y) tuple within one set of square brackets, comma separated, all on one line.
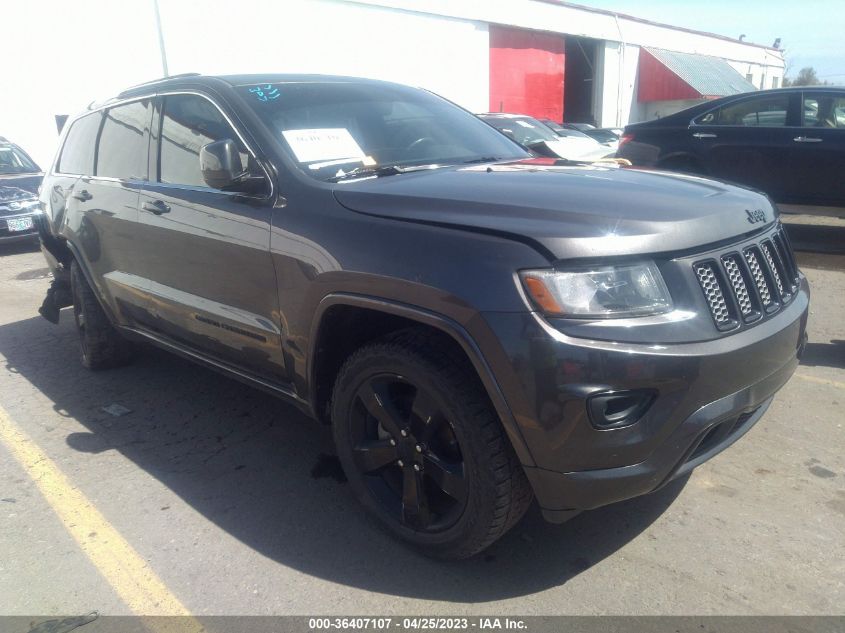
[(713, 293), (759, 278), (783, 253), (746, 307), (773, 269)]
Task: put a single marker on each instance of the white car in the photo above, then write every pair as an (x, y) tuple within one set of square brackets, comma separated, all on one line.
[(538, 137)]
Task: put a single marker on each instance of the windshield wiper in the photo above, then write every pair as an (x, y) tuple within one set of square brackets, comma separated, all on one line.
[(482, 159), (382, 170), (360, 172)]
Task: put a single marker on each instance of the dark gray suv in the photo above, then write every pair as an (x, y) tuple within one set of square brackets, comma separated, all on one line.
[(479, 326)]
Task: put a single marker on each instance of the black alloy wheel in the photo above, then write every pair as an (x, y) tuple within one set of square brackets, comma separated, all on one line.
[(101, 345), (407, 452), (423, 448)]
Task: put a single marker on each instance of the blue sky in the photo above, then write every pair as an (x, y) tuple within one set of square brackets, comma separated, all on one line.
[(811, 31)]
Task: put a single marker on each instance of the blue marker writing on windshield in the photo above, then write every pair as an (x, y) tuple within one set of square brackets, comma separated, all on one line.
[(265, 92)]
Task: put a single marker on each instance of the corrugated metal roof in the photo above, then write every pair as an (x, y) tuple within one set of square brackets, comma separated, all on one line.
[(710, 76), (666, 25)]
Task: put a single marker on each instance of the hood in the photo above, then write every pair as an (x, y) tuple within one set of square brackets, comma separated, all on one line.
[(568, 211), (10, 194), (29, 182)]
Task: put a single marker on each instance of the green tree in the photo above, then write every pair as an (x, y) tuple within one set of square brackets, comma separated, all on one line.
[(806, 77)]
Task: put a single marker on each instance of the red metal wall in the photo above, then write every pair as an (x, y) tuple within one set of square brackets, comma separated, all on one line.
[(658, 83), (526, 72)]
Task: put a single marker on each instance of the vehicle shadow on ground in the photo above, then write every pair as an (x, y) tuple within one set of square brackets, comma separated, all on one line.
[(16, 248), (259, 470), (825, 354)]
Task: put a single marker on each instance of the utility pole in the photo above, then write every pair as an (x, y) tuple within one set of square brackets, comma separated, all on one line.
[(160, 39)]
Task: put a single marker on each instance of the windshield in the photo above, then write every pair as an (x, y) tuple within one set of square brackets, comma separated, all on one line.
[(603, 136), (570, 133), (14, 161), (524, 130), (333, 128)]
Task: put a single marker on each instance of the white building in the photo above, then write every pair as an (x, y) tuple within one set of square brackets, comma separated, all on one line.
[(540, 57)]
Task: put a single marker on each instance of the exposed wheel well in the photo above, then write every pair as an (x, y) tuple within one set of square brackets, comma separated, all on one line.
[(344, 329)]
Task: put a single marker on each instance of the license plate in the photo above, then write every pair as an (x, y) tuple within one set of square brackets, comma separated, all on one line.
[(19, 224)]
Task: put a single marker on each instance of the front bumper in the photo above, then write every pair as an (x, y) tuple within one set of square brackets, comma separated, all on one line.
[(7, 236), (707, 432), (26, 236), (710, 394)]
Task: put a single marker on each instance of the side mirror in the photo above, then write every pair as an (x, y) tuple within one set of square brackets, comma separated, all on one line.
[(220, 164)]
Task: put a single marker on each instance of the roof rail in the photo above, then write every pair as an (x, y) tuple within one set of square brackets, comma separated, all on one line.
[(159, 80), (99, 104)]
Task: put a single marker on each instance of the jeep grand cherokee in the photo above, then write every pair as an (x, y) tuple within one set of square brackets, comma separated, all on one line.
[(480, 327)]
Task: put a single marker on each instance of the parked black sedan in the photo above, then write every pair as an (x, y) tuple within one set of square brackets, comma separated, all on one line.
[(789, 143)]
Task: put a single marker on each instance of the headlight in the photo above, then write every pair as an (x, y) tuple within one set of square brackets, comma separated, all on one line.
[(599, 292)]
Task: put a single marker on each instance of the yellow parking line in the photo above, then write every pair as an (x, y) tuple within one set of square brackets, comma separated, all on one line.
[(125, 570), (822, 381)]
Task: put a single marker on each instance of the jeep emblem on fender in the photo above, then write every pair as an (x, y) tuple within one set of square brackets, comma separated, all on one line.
[(758, 215)]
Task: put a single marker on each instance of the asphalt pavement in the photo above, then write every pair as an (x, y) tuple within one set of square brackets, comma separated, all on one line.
[(223, 500)]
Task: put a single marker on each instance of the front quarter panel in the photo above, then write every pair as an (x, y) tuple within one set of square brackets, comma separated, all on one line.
[(320, 248), (54, 197)]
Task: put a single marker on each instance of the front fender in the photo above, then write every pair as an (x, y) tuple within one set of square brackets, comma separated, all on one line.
[(445, 324)]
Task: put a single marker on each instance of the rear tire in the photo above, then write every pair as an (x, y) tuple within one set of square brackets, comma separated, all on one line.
[(101, 345), (423, 449)]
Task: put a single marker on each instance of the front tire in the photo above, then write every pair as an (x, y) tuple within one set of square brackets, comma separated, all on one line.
[(101, 345), (422, 447)]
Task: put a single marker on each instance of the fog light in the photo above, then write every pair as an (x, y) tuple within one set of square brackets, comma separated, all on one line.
[(616, 409)]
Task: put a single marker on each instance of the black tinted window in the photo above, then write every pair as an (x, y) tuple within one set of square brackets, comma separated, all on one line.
[(122, 151), (767, 111), (78, 152), (14, 161), (824, 110), (188, 123), (523, 130)]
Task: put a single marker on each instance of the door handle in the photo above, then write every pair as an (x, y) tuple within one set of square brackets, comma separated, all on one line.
[(156, 206), (703, 135), (82, 195), (807, 139)]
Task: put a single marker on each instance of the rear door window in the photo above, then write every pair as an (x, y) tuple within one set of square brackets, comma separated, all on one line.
[(768, 111), (188, 123), (824, 110), (77, 155), (122, 149)]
